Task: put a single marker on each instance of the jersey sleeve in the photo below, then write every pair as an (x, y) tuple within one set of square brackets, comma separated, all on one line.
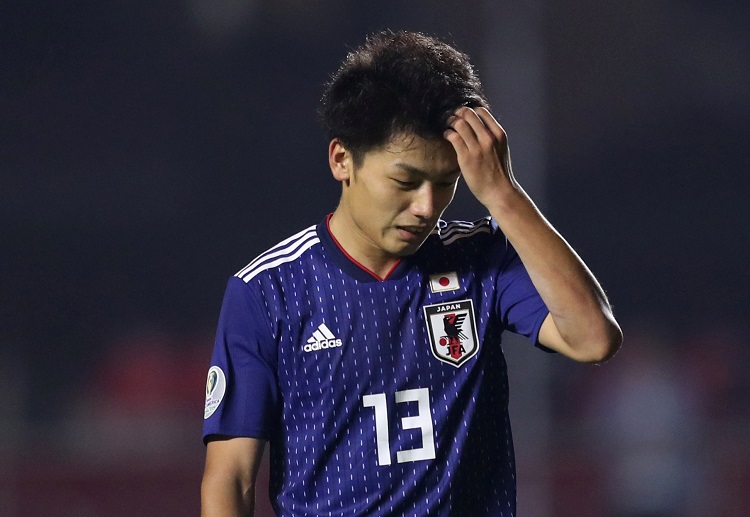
[(518, 303), (242, 395)]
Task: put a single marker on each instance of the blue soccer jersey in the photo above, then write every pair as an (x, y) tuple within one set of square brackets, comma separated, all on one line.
[(379, 397)]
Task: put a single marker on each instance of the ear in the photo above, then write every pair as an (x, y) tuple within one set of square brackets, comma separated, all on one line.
[(340, 160)]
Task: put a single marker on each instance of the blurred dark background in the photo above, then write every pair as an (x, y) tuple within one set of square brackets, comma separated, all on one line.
[(148, 150)]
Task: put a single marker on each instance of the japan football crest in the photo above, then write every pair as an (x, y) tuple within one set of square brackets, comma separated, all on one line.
[(452, 330)]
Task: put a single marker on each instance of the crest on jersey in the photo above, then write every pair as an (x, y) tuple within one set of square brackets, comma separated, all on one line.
[(453, 331)]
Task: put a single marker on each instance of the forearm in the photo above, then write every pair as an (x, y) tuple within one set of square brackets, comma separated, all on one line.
[(228, 487), (579, 308), (226, 498), (581, 325)]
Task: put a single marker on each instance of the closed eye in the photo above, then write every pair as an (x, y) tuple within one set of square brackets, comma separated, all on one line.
[(405, 184)]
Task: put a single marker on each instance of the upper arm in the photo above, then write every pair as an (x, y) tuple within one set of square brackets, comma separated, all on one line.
[(550, 337), (605, 347), (518, 303), (230, 474), (236, 456), (243, 397)]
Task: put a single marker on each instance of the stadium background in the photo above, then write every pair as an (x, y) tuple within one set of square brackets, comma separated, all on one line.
[(150, 149)]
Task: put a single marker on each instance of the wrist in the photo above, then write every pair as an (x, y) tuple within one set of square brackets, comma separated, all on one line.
[(506, 201)]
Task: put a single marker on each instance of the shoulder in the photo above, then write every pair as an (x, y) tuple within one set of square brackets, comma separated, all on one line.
[(448, 233), (477, 244), (285, 252)]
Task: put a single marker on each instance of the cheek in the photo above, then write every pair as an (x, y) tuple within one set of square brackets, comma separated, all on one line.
[(444, 199), (391, 200), (373, 192), (381, 200), (400, 202)]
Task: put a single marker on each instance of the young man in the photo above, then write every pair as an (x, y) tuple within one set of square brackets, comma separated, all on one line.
[(366, 349)]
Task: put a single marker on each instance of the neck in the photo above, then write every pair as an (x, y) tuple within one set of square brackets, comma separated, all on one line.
[(358, 249)]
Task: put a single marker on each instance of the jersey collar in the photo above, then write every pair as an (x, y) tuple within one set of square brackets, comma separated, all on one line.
[(349, 265)]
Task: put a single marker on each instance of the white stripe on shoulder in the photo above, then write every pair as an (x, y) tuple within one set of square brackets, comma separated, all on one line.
[(279, 249), (456, 230), (287, 250), (442, 226), (454, 227)]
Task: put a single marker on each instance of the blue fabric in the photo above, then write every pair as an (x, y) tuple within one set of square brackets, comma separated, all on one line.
[(316, 350)]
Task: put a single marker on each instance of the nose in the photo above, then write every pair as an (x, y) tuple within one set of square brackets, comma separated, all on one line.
[(423, 203)]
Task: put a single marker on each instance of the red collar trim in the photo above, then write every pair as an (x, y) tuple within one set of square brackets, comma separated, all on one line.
[(352, 259)]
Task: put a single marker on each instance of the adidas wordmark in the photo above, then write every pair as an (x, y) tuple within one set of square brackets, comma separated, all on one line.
[(322, 338)]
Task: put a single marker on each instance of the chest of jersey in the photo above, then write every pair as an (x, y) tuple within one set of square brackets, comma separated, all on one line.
[(392, 393), (380, 358), (340, 333)]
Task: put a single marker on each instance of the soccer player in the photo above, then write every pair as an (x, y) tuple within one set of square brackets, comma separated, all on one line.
[(367, 348)]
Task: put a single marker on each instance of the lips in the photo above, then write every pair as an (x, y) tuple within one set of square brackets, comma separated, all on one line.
[(411, 233), (414, 229)]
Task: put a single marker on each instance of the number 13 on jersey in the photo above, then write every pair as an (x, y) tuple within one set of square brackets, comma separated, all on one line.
[(422, 421)]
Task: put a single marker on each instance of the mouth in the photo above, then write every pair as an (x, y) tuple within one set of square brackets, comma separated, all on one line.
[(412, 233)]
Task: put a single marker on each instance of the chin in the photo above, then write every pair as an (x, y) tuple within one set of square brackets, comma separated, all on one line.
[(410, 249)]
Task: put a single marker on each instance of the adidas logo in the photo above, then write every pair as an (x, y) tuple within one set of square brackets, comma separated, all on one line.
[(321, 338)]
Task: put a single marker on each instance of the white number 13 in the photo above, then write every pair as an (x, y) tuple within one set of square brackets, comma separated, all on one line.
[(422, 420)]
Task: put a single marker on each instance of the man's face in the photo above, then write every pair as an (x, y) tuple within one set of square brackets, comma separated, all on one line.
[(392, 201)]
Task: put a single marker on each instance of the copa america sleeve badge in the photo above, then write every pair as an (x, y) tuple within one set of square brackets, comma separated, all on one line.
[(216, 385), (452, 330)]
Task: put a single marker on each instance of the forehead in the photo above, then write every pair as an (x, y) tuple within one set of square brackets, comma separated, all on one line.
[(435, 155)]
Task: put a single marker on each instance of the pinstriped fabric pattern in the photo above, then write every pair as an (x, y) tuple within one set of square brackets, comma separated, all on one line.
[(370, 422)]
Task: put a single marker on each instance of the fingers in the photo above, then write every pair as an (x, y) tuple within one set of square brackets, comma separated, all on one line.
[(482, 151), (456, 141), (491, 123), (476, 127), (470, 128)]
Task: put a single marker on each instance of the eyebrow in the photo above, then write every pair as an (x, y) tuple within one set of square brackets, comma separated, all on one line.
[(419, 172)]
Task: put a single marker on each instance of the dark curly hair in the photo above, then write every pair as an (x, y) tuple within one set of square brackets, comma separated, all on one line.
[(396, 83)]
